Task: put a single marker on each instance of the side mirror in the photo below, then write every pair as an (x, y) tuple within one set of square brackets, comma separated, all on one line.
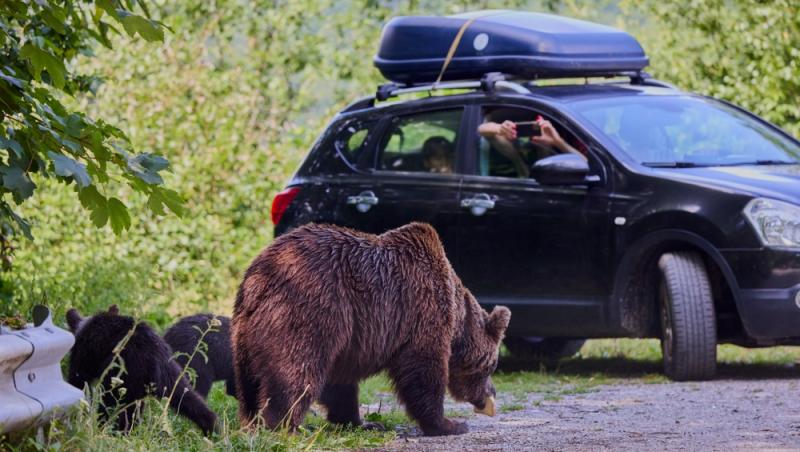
[(561, 169)]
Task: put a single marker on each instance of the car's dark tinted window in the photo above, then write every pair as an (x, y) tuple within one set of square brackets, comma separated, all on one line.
[(424, 142), (342, 150), (352, 139)]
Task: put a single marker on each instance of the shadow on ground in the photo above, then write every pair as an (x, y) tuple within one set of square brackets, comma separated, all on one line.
[(628, 368)]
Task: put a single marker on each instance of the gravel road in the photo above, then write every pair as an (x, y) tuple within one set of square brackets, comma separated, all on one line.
[(739, 413)]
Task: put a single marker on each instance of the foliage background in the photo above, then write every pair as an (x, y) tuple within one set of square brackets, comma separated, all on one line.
[(239, 90)]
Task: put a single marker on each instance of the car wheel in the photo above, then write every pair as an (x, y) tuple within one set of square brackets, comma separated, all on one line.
[(688, 323), (532, 348)]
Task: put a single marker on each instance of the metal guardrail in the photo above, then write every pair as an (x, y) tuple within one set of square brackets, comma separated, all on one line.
[(32, 388)]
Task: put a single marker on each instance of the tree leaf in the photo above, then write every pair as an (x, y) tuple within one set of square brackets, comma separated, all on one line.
[(107, 6), (119, 216), (146, 167), (96, 203), (99, 215), (146, 28), (11, 144), (90, 197), (54, 22), (173, 201), (43, 60), (74, 125), (67, 167), (15, 179), (155, 204)]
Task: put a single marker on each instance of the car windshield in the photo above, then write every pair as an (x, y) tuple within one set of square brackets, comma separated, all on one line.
[(684, 131)]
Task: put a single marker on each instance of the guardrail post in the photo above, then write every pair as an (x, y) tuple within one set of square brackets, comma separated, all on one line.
[(32, 389)]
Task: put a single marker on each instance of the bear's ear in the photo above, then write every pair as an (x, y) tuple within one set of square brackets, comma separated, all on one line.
[(74, 319), (498, 322), (113, 310)]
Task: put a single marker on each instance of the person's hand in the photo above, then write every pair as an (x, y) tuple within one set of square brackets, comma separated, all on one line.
[(507, 130), (549, 136)]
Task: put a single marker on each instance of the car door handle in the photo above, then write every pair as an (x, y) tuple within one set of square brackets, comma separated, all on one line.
[(479, 204), (363, 201)]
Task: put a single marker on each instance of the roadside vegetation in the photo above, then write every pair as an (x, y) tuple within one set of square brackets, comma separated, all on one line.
[(520, 387), (235, 96)]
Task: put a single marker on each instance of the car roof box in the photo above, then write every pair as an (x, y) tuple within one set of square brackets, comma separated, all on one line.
[(521, 44)]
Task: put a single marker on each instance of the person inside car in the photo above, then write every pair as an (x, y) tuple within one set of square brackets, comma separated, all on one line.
[(437, 155), (502, 136)]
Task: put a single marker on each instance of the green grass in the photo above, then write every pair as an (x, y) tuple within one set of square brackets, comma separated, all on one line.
[(83, 431), (617, 361), (510, 407)]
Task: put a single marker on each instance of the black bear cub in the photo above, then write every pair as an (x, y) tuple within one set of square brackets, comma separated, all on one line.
[(218, 362), (148, 367)]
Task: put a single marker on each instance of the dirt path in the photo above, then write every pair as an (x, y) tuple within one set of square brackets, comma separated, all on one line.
[(719, 415)]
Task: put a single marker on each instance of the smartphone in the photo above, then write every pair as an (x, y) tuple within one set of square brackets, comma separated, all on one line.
[(528, 129)]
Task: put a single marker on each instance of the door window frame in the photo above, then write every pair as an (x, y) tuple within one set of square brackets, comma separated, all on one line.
[(385, 126), (597, 164)]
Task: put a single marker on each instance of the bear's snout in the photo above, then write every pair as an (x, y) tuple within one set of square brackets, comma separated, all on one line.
[(489, 393)]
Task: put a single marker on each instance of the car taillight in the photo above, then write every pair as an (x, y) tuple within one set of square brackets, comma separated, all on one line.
[(281, 202)]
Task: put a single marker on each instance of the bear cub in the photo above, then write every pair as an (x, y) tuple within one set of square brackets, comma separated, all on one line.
[(147, 361), (217, 364)]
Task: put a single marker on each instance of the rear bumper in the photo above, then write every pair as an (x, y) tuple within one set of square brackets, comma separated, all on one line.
[(767, 297)]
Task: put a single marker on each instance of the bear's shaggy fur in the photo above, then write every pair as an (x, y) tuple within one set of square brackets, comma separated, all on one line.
[(324, 307), (218, 361), (148, 364)]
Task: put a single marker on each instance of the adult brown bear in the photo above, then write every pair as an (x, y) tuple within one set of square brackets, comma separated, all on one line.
[(324, 307)]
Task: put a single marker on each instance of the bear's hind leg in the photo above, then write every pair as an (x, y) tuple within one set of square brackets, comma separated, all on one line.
[(342, 404), (189, 403), (230, 386), (287, 400), (419, 379), (246, 389)]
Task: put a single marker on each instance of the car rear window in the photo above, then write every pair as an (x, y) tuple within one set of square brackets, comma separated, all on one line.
[(352, 139)]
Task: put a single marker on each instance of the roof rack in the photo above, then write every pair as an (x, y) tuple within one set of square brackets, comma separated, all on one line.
[(489, 83)]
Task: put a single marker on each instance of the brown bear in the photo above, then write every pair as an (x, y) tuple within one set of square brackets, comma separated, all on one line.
[(147, 361), (216, 363), (324, 307)]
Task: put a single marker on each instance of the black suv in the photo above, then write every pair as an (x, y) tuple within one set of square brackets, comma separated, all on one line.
[(677, 218)]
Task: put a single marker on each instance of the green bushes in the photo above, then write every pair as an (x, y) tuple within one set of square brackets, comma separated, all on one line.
[(234, 98), (239, 91)]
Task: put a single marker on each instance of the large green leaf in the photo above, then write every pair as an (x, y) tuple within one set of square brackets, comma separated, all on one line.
[(67, 167), (43, 60), (13, 145), (15, 180), (119, 216), (146, 28), (147, 166)]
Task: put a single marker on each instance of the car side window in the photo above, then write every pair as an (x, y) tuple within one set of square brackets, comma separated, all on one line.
[(352, 139), (422, 142), (503, 153)]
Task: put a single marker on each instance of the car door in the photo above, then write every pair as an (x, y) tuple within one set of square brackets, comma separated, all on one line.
[(535, 248), (400, 188)]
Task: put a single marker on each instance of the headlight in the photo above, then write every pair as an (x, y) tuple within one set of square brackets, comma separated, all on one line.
[(777, 223)]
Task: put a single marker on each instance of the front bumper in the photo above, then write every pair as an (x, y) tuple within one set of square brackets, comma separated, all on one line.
[(768, 284)]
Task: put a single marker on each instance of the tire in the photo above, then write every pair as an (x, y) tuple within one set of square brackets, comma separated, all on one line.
[(688, 321), (533, 348)]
